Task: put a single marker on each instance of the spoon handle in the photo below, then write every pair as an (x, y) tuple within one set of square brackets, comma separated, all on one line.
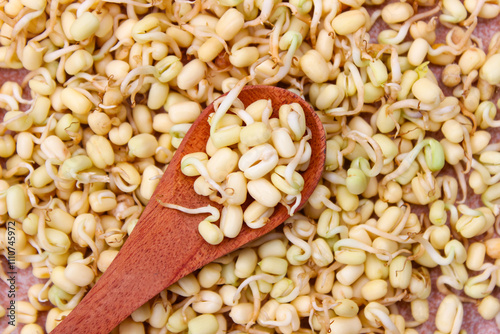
[(164, 247)]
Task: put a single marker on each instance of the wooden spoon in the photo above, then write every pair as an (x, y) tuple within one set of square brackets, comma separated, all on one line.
[(165, 244)]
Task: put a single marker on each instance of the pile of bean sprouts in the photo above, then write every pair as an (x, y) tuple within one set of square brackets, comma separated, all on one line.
[(113, 86)]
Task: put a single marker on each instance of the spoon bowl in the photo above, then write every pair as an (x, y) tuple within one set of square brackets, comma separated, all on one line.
[(165, 244)]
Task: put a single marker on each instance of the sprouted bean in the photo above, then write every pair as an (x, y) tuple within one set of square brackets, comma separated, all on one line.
[(113, 87)]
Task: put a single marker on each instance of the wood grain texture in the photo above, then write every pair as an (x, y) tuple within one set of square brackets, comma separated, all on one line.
[(165, 245)]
